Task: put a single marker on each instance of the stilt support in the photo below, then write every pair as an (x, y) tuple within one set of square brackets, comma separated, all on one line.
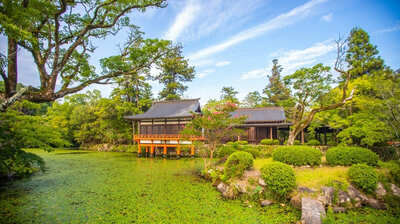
[(165, 151), (152, 154), (192, 150)]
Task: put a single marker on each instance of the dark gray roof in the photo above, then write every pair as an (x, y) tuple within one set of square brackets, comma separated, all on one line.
[(262, 114), (169, 109)]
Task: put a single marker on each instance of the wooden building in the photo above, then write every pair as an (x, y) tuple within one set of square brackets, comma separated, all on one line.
[(261, 123), (160, 126)]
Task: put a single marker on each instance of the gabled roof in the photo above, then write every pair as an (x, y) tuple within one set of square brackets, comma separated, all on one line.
[(169, 109), (261, 114)]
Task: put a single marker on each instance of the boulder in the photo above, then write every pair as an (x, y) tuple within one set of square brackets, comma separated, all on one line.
[(305, 190), (265, 203), (356, 195), (241, 186), (327, 195), (261, 182), (222, 187), (395, 190), (380, 191), (295, 201), (312, 211), (255, 174), (343, 197), (376, 204), (337, 209)]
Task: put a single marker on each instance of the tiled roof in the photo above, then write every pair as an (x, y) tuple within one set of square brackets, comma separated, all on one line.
[(261, 114), (169, 109)]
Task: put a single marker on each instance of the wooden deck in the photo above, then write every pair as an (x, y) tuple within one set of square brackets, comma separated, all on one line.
[(152, 141)]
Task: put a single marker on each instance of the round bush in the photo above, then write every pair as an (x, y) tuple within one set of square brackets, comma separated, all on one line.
[(253, 151), (237, 163), (297, 155), (313, 142), (363, 177), (225, 151), (268, 141), (279, 178), (346, 156)]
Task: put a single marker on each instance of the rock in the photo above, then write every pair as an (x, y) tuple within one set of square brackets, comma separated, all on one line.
[(241, 186), (312, 211), (221, 187), (339, 209), (255, 174), (327, 196), (380, 191), (376, 204), (356, 195), (395, 190), (261, 182), (295, 201), (306, 190), (343, 197), (266, 203)]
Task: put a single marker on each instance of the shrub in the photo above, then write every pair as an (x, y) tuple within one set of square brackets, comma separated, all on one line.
[(331, 143), (298, 155), (279, 178), (363, 177), (242, 142), (237, 163), (343, 155), (296, 142), (268, 141), (253, 151), (225, 151), (17, 163), (395, 173), (386, 153), (313, 142)]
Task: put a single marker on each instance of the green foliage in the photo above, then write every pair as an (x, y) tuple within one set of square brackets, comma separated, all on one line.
[(313, 142), (268, 141), (278, 94), (254, 151), (363, 177), (298, 155), (229, 94), (236, 164), (295, 142), (253, 99), (18, 163), (386, 153), (225, 151), (344, 155), (279, 178)]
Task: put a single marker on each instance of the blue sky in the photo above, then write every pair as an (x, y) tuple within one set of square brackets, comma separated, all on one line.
[(232, 43)]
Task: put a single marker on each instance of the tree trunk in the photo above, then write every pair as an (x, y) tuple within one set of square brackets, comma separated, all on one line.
[(292, 137), (11, 82)]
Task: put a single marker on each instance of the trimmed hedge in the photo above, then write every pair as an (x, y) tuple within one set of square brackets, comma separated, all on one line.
[(298, 155), (346, 156), (279, 178), (237, 163), (363, 177), (268, 141), (296, 142), (313, 142)]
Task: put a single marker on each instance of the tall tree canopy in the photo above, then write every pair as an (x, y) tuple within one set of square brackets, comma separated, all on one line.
[(276, 90), (253, 99), (60, 34), (228, 93), (174, 71)]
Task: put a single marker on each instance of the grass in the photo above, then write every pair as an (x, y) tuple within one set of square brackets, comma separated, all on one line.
[(98, 187)]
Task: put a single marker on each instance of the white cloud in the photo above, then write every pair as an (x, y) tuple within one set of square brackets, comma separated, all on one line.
[(327, 18), (390, 29), (280, 21), (254, 74), (222, 63), (295, 59), (201, 63), (205, 73), (184, 19)]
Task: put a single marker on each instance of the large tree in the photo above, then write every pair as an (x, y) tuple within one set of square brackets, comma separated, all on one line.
[(228, 93), (60, 37), (276, 90), (253, 99), (174, 71)]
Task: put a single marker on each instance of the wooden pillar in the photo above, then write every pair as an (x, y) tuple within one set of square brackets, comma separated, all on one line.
[(147, 151), (270, 132), (138, 131), (152, 149), (302, 136), (192, 150), (133, 132), (165, 151)]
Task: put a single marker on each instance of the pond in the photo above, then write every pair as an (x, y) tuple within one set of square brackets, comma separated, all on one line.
[(96, 187)]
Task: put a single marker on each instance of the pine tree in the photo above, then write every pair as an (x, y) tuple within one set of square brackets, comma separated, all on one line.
[(276, 90)]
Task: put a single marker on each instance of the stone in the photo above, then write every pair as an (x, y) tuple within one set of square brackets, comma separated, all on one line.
[(380, 191), (221, 187), (337, 209), (327, 195), (241, 186), (295, 201), (306, 190), (376, 204), (312, 211), (261, 182), (356, 194), (343, 197), (265, 203), (255, 174), (395, 190)]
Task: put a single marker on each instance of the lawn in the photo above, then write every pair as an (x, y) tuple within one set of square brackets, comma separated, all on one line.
[(95, 187)]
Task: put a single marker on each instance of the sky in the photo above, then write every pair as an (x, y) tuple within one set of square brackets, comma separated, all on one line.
[(233, 42)]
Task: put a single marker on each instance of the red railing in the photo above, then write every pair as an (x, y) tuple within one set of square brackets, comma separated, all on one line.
[(166, 137)]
